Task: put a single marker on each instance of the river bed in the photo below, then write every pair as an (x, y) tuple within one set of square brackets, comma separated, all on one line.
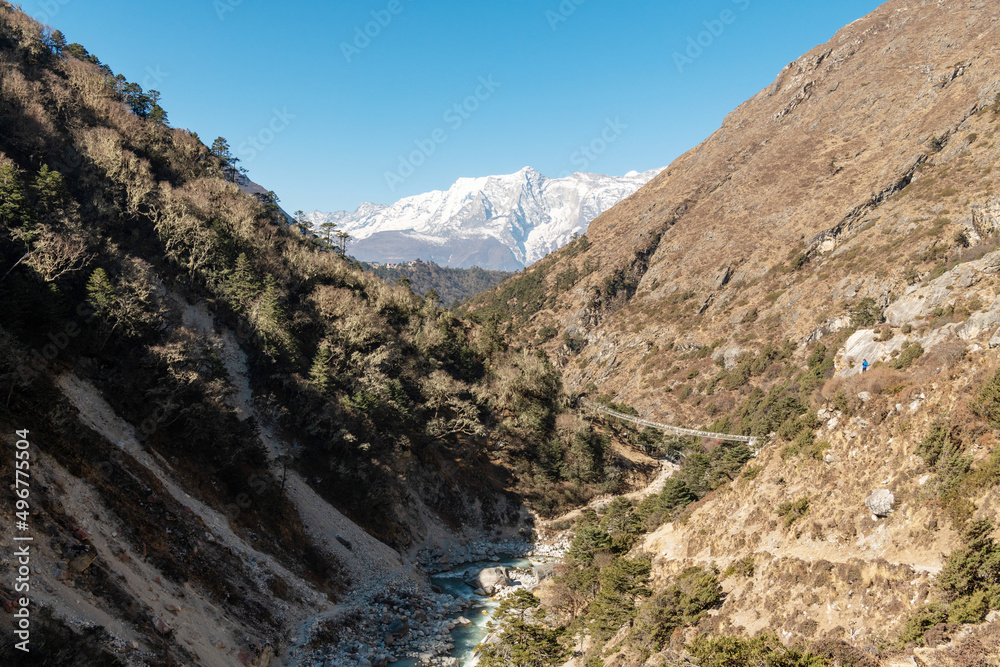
[(466, 637)]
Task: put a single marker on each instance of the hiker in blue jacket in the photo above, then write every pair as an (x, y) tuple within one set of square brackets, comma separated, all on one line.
[(864, 365)]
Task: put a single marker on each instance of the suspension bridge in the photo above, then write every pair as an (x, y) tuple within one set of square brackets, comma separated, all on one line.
[(751, 441)]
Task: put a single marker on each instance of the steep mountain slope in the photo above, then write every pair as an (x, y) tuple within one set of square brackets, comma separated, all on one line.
[(854, 175), (494, 222), (241, 448), (845, 213)]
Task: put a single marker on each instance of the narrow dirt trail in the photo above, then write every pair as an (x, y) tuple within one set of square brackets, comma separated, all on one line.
[(666, 470)]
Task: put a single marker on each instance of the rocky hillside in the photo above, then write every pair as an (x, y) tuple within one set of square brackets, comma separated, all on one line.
[(846, 213), (863, 172)]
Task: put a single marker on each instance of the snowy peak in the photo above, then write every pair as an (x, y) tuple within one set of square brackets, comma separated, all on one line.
[(496, 222)]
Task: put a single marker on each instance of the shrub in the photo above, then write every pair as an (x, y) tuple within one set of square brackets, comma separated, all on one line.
[(793, 510), (681, 604), (907, 355), (974, 566), (969, 608), (866, 313), (987, 403), (922, 620), (744, 568), (761, 650), (575, 342), (930, 447), (547, 333)]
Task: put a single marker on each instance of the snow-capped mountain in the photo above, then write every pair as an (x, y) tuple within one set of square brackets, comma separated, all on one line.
[(494, 222)]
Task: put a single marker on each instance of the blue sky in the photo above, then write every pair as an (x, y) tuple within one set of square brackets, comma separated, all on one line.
[(335, 103)]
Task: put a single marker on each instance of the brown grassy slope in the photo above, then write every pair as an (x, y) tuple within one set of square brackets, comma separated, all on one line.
[(854, 176), (838, 572), (806, 166)]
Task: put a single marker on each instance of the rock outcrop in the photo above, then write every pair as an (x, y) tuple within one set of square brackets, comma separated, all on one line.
[(490, 580), (880, 502)]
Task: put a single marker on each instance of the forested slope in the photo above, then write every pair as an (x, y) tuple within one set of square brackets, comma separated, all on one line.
[(208, 393)]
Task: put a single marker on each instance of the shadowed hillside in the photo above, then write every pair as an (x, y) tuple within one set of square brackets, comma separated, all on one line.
[(234, 433)]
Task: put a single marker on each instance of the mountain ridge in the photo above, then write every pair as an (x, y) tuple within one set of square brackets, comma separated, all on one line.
[(500, 222)]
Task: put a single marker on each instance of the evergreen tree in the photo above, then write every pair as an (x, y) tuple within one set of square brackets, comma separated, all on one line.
[(228, 161), (342, 239), (51, 196), (15, 213), (522, 643), (586, 543), (675, 494), (136, 99), (327, 232), (242, 283), (622, 583), (269, 319), (974, 567), (77, 51), (318, 372), (156, 112), (100, 292), (57, 42)]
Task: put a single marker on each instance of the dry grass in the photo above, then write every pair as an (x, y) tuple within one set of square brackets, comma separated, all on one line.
[(876, 381)]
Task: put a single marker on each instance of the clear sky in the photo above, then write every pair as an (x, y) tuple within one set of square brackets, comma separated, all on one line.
[(334, 103)]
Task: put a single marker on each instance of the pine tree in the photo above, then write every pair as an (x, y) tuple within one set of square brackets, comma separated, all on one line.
[(228, 162), (587, 542), (318, 372), (57, 42), (521, 642), (100, 292), (342, 239), (15, 213), (269, 319), (328, 229), (156, 112), (80, 53), (242, 283), (51, 196), (136, 99)]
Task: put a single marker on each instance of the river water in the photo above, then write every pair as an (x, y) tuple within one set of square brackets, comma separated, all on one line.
[(466, 637)]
